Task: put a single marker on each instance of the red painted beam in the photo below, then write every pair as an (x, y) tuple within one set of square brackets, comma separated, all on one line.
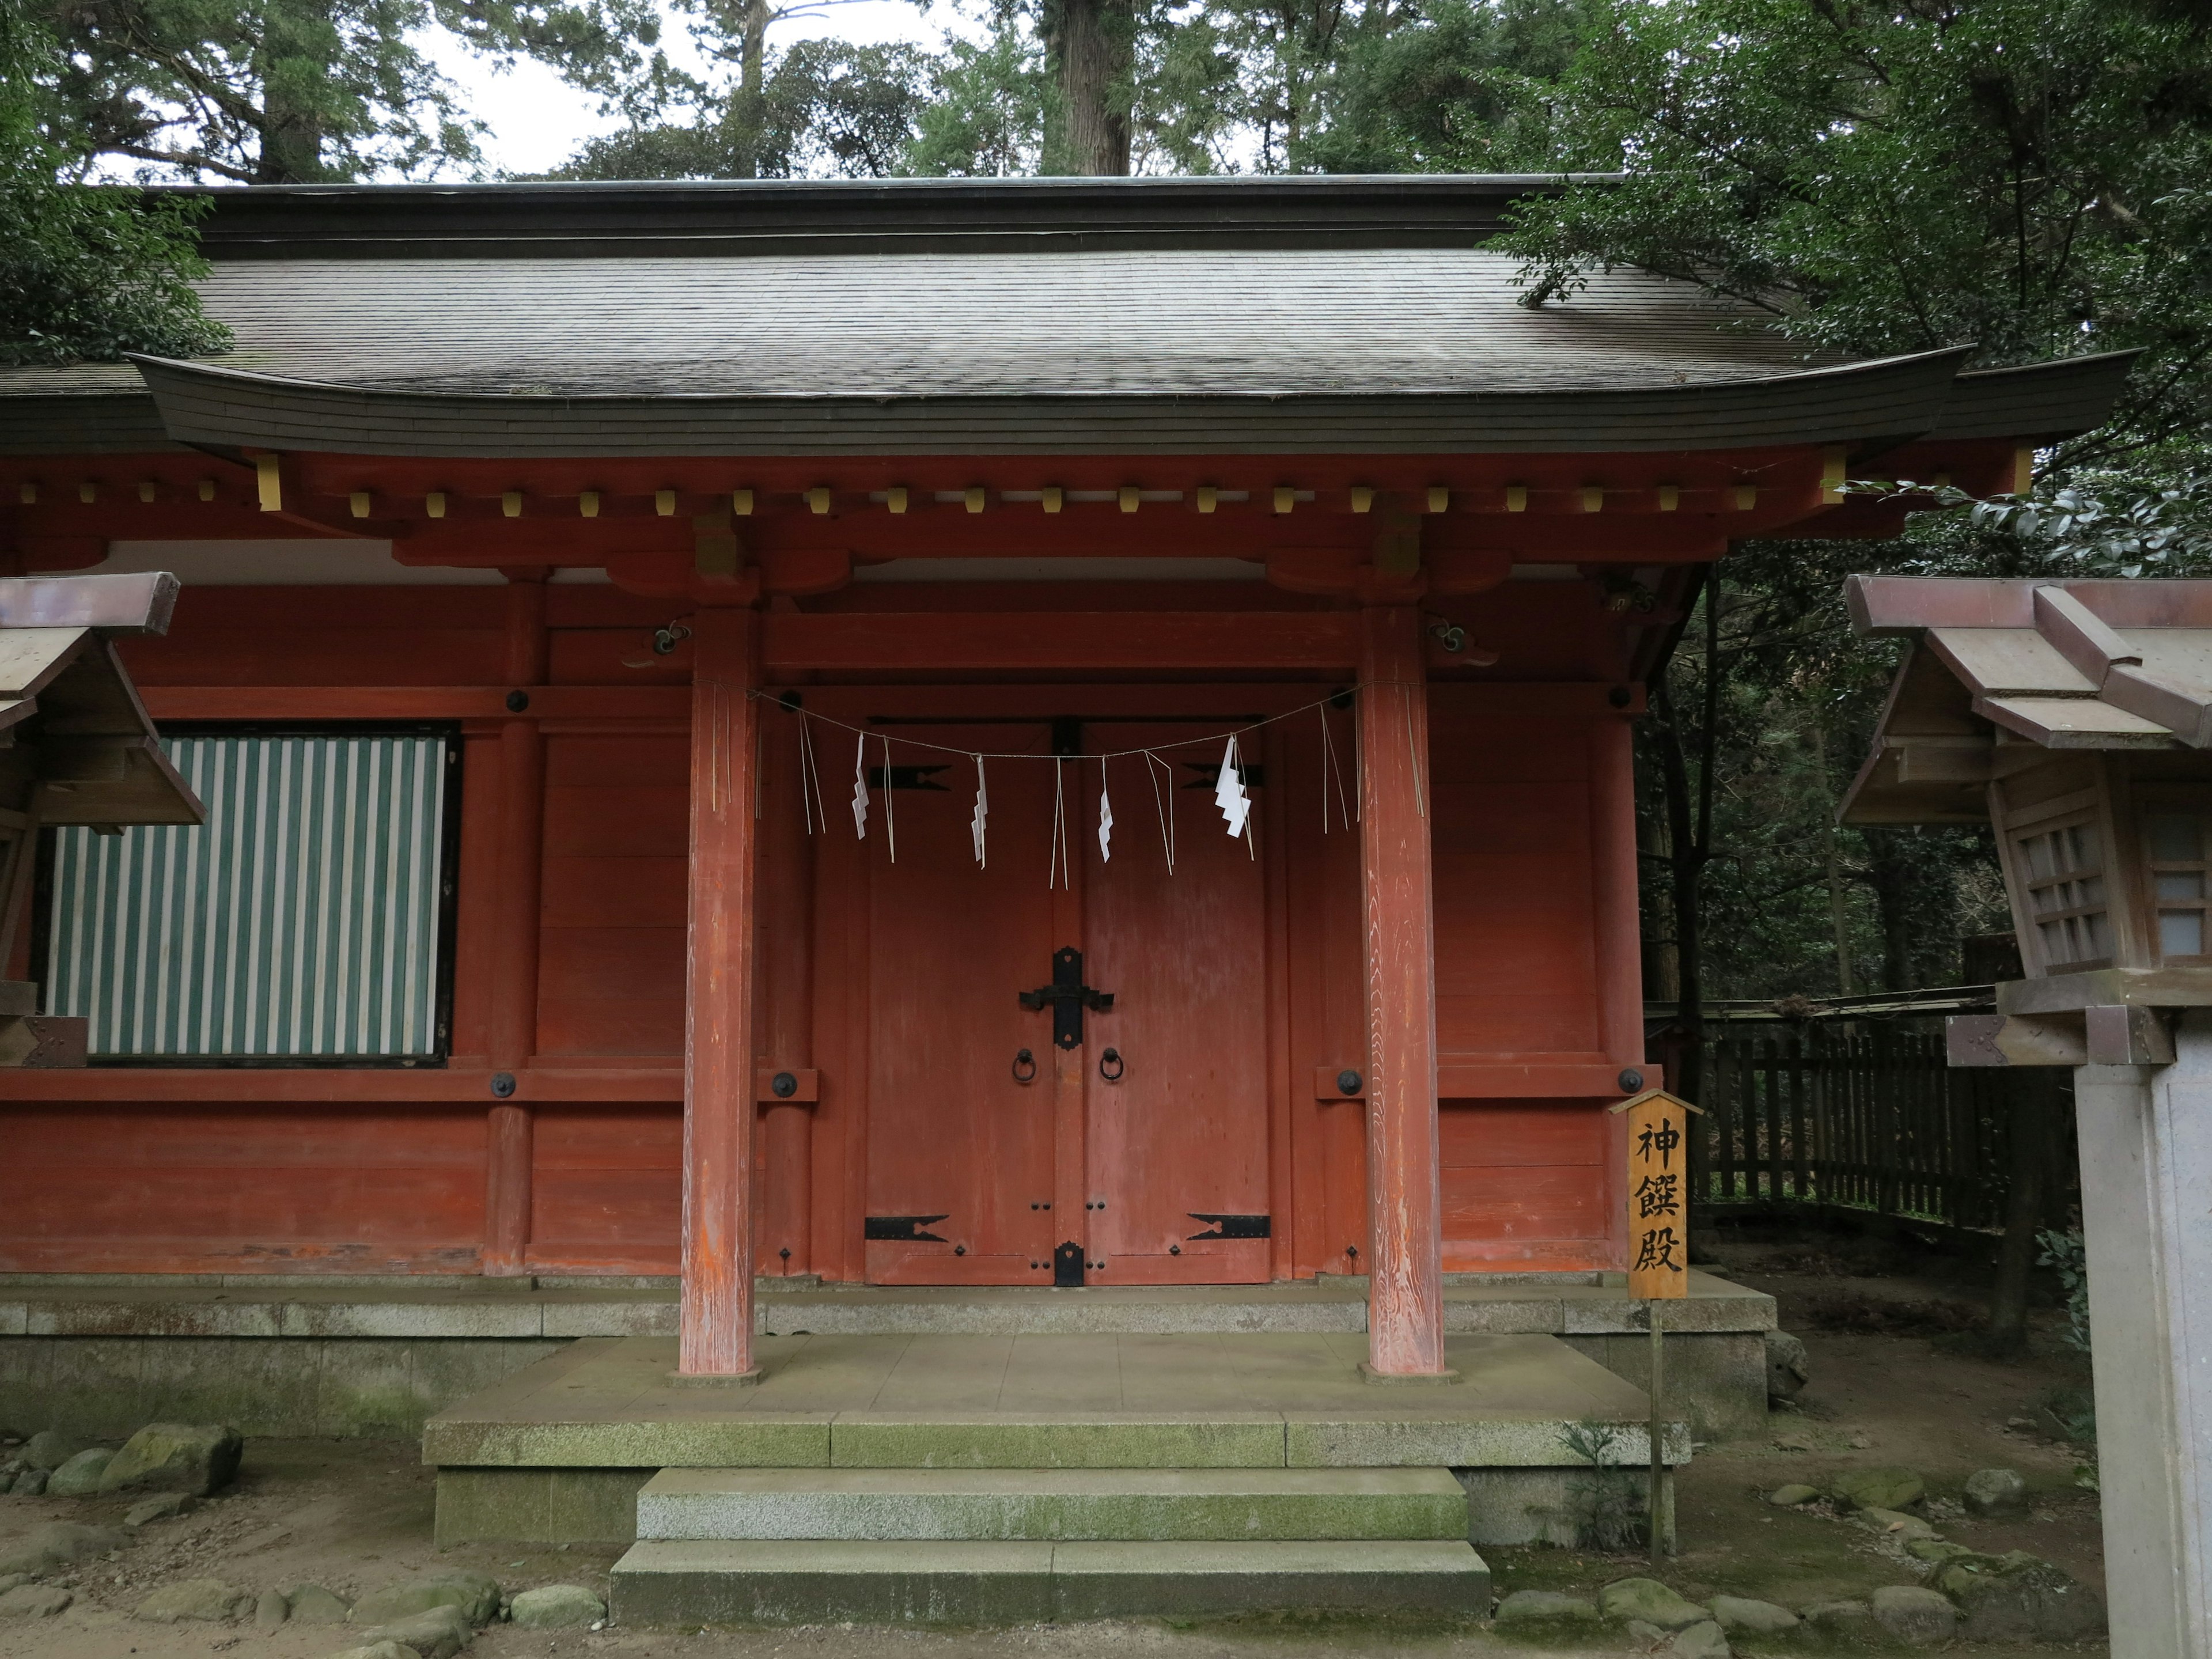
[(863, 641), (467, 1086)]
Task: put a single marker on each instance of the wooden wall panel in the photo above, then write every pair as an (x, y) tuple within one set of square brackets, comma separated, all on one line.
[(1516, 964), (612, 916), (174, 1188), (607, 1189), (1524, 1185)]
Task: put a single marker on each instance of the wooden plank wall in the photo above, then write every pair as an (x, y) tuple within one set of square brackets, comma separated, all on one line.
[(387, 1171)]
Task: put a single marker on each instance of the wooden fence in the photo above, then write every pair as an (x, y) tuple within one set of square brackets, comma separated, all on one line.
[(1868, 1115)]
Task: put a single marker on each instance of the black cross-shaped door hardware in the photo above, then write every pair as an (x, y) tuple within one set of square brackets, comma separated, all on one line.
[(1069, 996)]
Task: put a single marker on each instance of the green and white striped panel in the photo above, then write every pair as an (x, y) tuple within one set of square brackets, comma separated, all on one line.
[(301, 920)]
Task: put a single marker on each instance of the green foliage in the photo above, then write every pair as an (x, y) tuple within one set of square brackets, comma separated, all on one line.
[(2067, 1255), (2023, 175), (85, 274), (1603, 1508), (1446, 85), (987, 120), (314, 91), (828, 108)]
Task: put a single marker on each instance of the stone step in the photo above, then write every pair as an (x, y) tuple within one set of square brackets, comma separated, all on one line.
[(1126, 1504), (782, 1582)]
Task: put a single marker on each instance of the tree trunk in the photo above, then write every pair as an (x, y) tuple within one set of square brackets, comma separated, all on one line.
[(1839, 916), (1091, 43), (748, 112), (2023, 1217)]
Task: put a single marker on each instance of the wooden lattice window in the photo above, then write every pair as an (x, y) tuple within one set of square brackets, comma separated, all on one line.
[(2063, 874), (2174, 846)]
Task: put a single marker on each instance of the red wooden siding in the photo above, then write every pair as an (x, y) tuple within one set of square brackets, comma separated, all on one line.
[(1524, 1185), (611, 965), (165, 1187), (606, 1189), (1516, 966)]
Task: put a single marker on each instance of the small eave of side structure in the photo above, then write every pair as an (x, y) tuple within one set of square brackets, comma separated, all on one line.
[(76, 745), (2027, 665)]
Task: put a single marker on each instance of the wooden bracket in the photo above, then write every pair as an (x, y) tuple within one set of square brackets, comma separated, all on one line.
[(803, 1088), (1329, 1080)]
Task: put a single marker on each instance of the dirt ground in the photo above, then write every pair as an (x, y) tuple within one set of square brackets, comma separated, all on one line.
[(355, 1515)]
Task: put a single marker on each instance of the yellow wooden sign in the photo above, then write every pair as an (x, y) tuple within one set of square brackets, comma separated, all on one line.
[(1658, 1194)]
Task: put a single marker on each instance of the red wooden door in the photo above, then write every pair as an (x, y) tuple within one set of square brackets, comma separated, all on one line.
[(1154, 1164), (1177, 1162), (959, 1150)]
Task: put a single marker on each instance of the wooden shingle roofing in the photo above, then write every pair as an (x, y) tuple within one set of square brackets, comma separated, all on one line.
[(1145, 316), (2058, 664)]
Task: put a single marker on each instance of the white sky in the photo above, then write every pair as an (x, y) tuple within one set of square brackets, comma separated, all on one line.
[(537, 122)]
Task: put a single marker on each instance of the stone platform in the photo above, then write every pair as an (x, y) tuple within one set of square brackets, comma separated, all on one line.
[(558, 1453), (299, 1354)]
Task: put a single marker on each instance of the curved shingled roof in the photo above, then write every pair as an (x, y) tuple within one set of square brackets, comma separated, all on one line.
[(1159, 316)]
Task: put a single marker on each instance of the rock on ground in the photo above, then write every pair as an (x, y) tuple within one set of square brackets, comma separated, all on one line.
[(1527, 1606), (476, 1594), (1842, 1618), (80, 1476), (552, 1606), (34, 1601), (1703, 1640), (29, 1484), (1787, 1368), (157, 1508), (183, 1457), (1907, 1529), (1650, 1601), (1913, 1613), (1879, 1489), (378, 1651), (1997, 1492), (1738, 1613), (2030, 1601), (50, 1448), (438, 1632), (1795, 1493), (58, 1544), (193, 1598), (272, 1609), (311, 1604)]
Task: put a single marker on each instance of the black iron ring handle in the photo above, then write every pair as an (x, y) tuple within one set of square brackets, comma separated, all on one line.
[(1112, 1057), (1025, 1067)]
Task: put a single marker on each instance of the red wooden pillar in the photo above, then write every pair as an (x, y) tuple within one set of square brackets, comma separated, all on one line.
[(717, 1048), (1405, 1305), (514, 1029)]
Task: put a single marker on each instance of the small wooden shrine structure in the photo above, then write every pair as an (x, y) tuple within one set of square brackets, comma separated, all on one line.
[(572, 573), (2074, 717)]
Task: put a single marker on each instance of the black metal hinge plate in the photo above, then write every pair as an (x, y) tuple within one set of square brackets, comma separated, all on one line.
[(904, 1228), (1233, 1226)]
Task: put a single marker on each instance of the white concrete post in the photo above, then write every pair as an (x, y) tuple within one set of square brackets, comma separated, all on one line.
[(2146, 1133)]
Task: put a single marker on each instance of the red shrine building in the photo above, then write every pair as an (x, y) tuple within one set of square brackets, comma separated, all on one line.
[(656, 661)]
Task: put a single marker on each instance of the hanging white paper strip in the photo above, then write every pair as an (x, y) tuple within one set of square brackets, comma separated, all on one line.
[(982, 811), (1155, 769), (1229, 792), (861, 788), (1105, 819)]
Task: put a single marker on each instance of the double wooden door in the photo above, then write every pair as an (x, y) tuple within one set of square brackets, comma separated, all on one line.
[(1021, 1129)]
